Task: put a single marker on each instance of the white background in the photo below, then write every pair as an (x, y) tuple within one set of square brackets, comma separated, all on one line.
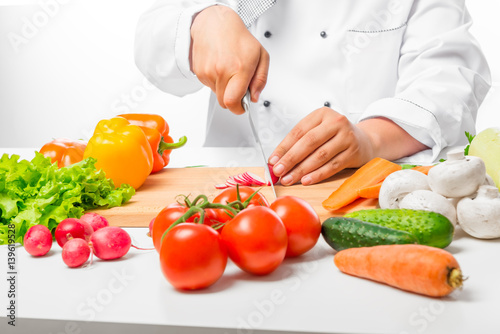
[(76, 66)]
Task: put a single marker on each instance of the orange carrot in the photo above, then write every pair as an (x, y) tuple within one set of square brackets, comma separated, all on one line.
[(370, 191), (374, 171), (423, 169), (421, 269)]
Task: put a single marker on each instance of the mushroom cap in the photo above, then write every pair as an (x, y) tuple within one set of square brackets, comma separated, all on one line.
[(430, 201), (480, 216), (458, 177), (398, 184)]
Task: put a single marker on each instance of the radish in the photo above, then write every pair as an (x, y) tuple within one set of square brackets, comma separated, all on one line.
[(151, 223), (110, 243), (71, 228), (95, 220), (75, 252), (274, 178), (38, 240)]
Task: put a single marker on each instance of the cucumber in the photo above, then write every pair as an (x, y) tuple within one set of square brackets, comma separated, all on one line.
[(430, 228), (342, 233)]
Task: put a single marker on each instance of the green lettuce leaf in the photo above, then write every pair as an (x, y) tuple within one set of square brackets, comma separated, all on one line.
[(38, 192)]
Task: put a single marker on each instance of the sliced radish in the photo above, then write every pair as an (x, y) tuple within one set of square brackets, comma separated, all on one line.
[(248, 179)]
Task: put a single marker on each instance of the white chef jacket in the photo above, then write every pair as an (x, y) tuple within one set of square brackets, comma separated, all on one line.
[(411, 61)]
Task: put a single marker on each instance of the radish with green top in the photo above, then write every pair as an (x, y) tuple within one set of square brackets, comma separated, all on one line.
[(38, 240)]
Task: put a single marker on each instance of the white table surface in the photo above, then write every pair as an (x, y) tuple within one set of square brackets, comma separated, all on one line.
[(307, 294)]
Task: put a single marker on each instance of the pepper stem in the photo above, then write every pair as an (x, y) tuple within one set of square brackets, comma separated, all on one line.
[(170, 146)]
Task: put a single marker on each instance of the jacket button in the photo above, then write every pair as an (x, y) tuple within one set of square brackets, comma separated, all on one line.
[(323, 34), (267, 103), (327, 104), (267, 34)]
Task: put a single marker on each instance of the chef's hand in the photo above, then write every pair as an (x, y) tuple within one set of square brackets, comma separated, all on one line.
[(226, 57), (325, 142)]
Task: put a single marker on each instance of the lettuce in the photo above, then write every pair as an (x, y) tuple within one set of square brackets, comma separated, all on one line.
[(38, 192)]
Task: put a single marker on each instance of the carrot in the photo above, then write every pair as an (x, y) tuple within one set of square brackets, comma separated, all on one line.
[(421, 269), (370, 191), (374, 171), (423, 169)]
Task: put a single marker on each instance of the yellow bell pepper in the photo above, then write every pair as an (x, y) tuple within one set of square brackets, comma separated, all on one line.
[(122, 151)]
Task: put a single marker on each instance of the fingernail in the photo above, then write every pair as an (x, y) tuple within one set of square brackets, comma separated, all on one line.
[(306, 180), (274, 160), (278, 169), (257, 95), (287, 179)]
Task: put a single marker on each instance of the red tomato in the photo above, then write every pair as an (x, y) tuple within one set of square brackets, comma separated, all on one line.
[(229, 195), (163, 220), (192, 256), (302, 223), (256, 240)]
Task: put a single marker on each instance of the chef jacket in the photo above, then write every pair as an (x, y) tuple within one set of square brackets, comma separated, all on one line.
[(411, 61)]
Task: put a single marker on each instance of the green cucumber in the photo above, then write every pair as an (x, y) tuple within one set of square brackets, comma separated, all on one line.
[(342, 233), (430, 228)]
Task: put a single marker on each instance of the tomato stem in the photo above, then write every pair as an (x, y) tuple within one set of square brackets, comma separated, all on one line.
[(182, 219)]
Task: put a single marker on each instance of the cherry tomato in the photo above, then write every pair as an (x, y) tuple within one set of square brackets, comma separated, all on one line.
[(302, 223), (192, 256), (256, 240)]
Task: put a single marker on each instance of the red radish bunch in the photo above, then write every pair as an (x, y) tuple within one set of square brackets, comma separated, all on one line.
[(79, 239), (38, 240)]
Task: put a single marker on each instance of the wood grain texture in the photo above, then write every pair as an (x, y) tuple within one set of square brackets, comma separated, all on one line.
[(161, 189)]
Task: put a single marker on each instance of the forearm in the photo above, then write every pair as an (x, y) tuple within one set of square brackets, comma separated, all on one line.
[(388, 140)]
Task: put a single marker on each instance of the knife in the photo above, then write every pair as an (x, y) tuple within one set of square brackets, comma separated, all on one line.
[(245, 102)]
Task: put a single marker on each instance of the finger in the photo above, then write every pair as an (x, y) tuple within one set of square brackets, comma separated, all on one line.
[(220, 90), (236, 88), (321, 156), (338, 163), (259, 79), (304, 147), (298, 131)]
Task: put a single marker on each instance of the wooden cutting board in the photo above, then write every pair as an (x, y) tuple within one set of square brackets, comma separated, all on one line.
[(161, 189)]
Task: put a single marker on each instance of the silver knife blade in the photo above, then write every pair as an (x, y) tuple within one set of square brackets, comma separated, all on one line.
[(245, 102)]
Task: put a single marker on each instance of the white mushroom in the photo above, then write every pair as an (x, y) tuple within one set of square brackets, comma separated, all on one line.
[(459, 176), (430, 201), (480, 216), (489, 181), (398, 184)]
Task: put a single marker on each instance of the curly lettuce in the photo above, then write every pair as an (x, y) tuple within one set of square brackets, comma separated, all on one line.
[(38, 192)]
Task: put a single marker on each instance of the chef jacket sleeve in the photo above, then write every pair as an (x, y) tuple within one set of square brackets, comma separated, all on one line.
[(162, 44), (443, 77)]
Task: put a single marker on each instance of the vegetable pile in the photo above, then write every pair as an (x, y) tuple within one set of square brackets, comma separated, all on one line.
[(196, 238), (37, 192)]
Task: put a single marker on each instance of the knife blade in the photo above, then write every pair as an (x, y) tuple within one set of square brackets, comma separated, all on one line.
[(245, 102)]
